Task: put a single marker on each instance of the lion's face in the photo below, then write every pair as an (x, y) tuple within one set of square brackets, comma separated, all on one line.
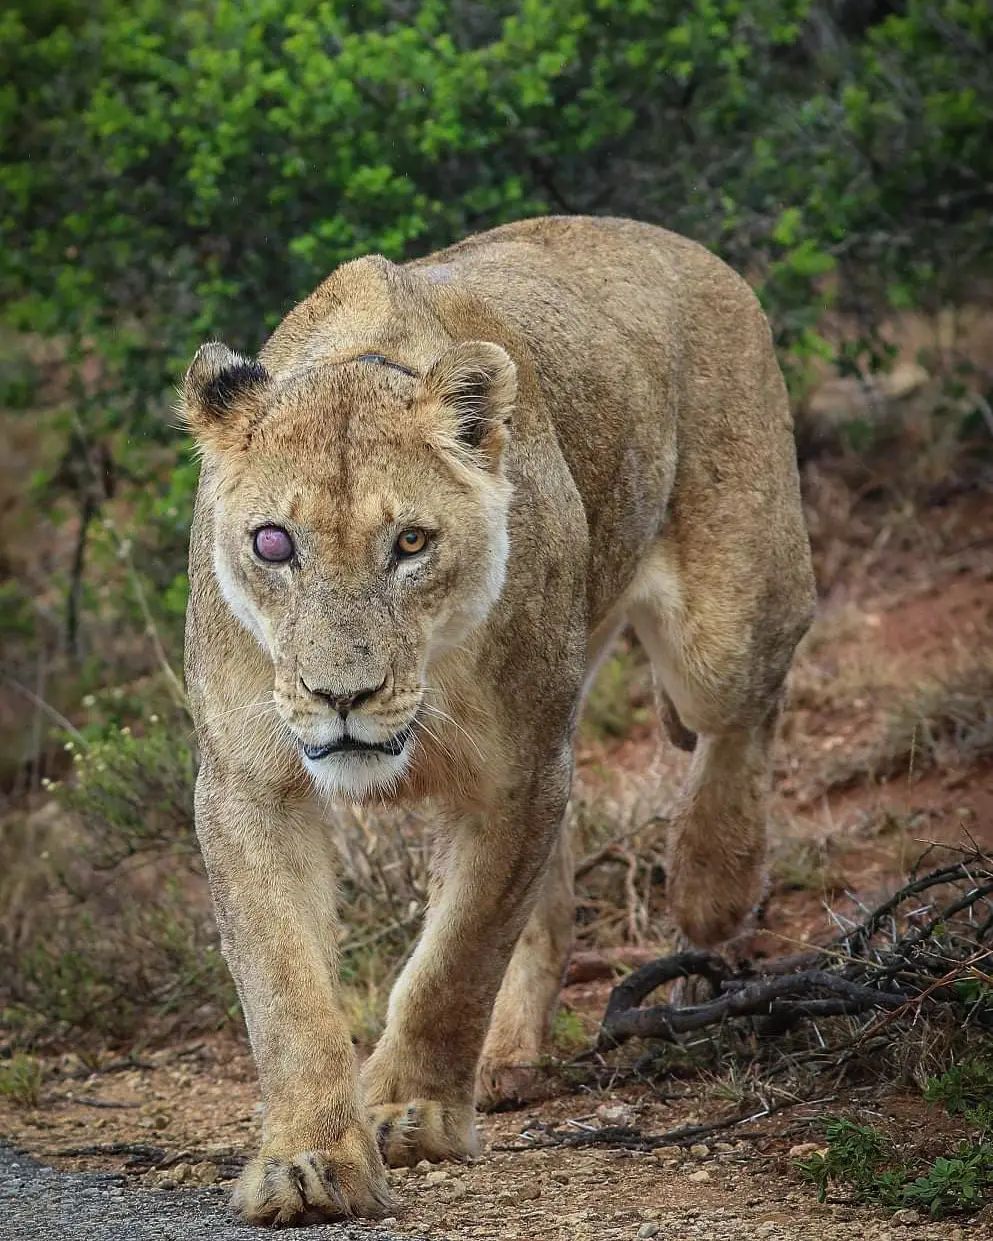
[(360, 529)]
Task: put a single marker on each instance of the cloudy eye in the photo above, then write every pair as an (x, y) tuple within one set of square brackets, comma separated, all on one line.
[(410, 542), (273, 544)]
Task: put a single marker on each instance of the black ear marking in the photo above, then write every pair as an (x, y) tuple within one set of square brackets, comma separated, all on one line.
[(218, 382), (221, 391)]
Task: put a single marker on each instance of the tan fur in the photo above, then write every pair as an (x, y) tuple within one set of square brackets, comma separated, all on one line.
[(587, 416)]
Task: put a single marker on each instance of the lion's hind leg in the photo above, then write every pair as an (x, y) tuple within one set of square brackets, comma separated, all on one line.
[(720, 654)]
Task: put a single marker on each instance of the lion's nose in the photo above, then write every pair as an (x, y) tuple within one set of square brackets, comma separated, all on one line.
[(344, 702)]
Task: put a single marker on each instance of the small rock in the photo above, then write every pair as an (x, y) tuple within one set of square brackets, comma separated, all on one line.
[(181, 1173), (204, 1173), (563, 1178), (436, 1177), (908, 1216), (388, 1222), (527, 1193), (651, 1229), (668, 1154), (803, 1149), (699, 1151), (423, 1166), (614, 1113), (701, 1174)]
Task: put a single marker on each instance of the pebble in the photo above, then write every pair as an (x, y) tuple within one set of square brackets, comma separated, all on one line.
[(527, 1193), (436, 1177), (803, 1149), (650, 1229), (699, 1150), (614, 1114), (908, 1216), (700, 1175), (204, 1173), (423, 1166), (668, 1154)]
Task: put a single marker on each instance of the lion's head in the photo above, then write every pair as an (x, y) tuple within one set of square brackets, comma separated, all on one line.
[(360, 529)]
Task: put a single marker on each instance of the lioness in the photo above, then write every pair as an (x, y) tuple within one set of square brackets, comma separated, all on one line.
[(424, 511)]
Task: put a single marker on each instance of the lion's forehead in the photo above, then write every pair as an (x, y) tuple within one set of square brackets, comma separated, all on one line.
[(348, 516)]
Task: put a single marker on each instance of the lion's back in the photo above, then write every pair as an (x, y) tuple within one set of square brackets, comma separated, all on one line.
[(644, 344)]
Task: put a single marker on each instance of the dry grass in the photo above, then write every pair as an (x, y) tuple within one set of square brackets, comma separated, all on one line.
[(806, 864), (944, 720)]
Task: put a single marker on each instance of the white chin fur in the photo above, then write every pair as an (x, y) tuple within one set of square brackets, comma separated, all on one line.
[(356, 777)]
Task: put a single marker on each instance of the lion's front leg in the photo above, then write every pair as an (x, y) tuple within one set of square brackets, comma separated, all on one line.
[(420, 1081), (529, 993), (273, 884)]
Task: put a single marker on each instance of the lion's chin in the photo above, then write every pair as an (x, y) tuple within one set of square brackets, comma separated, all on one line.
[(359, 776)]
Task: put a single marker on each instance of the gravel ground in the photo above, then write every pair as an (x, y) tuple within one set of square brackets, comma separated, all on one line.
[(38, 1202)]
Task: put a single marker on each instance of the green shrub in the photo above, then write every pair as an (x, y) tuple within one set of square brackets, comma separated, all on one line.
[(121, 940), (172, 172), (864, 1160), (965, 1089), (133, 792), (20, 1080)]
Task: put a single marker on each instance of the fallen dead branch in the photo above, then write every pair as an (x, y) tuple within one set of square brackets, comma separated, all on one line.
[(927, 945)]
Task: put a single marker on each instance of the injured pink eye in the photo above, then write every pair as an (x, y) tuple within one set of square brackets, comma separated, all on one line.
[(273, 544)]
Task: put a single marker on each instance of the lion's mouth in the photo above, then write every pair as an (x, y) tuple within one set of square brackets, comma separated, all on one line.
[(352, 745)]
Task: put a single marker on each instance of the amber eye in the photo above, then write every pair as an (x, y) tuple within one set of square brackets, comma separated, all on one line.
[(410, 542), (273, 544)]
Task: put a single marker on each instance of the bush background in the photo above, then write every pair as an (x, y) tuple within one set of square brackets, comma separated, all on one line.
[(176, 172)]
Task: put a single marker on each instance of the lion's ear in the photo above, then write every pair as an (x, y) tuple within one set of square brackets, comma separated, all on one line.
[(475, 383), (221, 392)]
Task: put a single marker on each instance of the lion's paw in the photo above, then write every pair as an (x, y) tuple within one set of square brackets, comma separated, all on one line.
[(509, 1083), (313, 1186), (423, 1129)]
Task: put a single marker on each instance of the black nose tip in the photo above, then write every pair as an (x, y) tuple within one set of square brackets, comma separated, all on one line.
[(343, 703)]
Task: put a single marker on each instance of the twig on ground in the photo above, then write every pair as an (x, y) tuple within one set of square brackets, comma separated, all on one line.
[(633, 1139)]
